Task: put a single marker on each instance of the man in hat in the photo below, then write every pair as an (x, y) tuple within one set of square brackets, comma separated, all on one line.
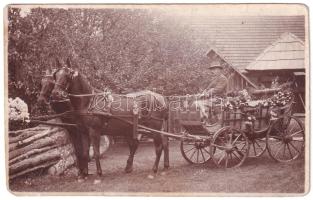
[(218, 85)]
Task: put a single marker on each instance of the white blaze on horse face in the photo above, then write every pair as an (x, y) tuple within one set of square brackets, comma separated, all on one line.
[(75, 74)]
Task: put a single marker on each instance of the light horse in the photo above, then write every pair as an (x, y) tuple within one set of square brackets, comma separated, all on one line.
[(152, 108)]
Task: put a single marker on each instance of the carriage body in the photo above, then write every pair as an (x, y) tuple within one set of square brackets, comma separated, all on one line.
[(255, 127), (257, 117)]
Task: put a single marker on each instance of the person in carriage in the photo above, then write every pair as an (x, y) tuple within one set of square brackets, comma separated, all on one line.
[(218, 86), (213, 93)]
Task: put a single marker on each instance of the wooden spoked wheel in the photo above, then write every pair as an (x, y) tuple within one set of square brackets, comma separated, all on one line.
[(195, 152), (257, 147), (285, 139), (229, 148)]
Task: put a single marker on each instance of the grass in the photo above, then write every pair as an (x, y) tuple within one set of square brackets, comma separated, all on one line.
[(256, 175)]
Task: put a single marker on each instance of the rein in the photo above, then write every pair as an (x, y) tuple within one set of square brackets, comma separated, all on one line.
[(95, 94), (86, 95), (59, 101)]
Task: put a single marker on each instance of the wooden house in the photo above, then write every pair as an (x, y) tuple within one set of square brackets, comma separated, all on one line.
[(237, 80), (283, 60), (239, 40), (239, 44)]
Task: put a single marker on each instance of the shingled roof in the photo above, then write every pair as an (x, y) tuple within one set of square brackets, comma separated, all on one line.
[(240, 39), (285, 53)]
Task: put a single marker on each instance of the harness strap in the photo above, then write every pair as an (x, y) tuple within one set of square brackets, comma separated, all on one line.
[(86, 95), (60, 101)]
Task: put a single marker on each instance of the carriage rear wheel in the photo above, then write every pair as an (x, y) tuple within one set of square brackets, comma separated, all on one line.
[(285, 139), (195, 152), (229, 148)]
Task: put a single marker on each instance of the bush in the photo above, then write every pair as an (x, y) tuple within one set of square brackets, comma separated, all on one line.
[(18, 114)]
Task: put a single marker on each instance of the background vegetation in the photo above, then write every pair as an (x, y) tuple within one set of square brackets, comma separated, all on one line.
[(121, 49)]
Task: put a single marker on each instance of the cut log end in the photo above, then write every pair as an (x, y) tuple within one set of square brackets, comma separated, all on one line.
[(40, 148)]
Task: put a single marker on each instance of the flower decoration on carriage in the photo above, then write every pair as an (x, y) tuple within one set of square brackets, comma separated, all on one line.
[(282, 98), (244, 95), (18, 110), (228, 105), (239, 101), (243, 99), (279, 99)]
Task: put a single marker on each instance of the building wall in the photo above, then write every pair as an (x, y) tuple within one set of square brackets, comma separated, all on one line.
[(236, 82), (265, 78)]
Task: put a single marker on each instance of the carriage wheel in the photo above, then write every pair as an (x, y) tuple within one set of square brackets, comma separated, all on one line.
[(285, 139), (257, 147), (229, 148), (195, 152)]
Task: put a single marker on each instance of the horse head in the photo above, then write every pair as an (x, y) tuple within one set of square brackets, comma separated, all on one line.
[(63, 78), (47, 85)]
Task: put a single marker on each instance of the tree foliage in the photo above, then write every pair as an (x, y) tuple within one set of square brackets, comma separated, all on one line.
[(121, 49)]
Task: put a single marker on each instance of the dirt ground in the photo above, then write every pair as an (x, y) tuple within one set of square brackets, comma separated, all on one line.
[(256, 175)]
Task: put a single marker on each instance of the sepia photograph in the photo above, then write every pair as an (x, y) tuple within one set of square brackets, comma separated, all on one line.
[(157, 99)]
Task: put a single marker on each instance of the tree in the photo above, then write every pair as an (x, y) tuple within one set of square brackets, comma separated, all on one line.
[(114, 48)]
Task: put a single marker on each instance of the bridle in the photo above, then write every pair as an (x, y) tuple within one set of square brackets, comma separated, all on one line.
[(46, 95), (63, 88), (48, 81)]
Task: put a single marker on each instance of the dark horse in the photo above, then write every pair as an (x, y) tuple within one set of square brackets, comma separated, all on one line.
[(152, 111), (60, 106)]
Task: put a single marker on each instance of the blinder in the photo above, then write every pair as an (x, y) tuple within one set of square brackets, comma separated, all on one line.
[(64, 88)]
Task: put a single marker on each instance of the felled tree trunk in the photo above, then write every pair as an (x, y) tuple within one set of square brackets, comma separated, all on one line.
[(38, 148), (67, 161)]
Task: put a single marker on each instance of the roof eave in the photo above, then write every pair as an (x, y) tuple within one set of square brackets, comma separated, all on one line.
[(231, 65)]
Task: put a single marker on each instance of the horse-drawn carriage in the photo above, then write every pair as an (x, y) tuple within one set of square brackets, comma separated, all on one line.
[(225, 132), (229, 134)]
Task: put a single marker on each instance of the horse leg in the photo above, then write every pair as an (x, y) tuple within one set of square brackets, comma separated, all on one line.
[(95, 140), (165, 144), (133, 145), (76, 141), (85, 155), (166, 152), (158, 151)]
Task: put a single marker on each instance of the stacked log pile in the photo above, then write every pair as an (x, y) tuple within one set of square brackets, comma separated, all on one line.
[(41, 147)]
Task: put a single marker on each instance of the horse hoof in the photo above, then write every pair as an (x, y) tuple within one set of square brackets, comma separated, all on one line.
[(128, 170), (150, 176), (80, 180), (163, 173), (97, 181)]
